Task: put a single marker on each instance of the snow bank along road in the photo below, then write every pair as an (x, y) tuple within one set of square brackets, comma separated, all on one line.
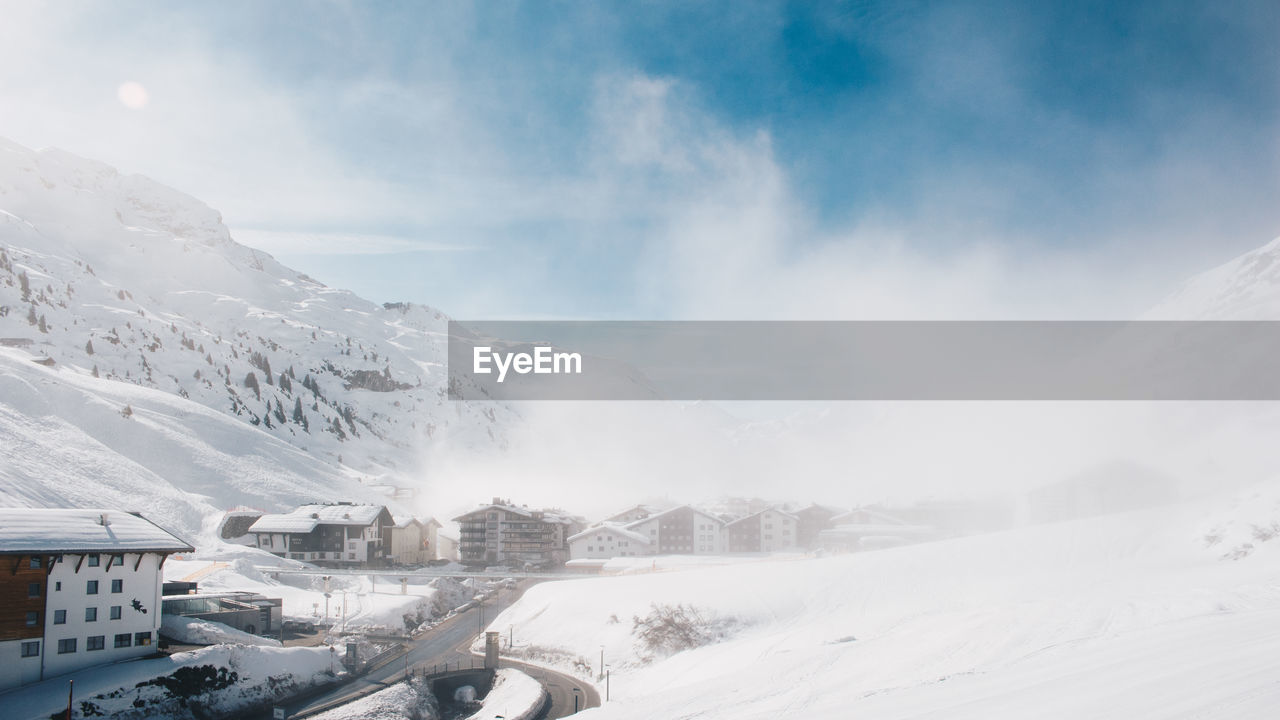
[(449, 643)]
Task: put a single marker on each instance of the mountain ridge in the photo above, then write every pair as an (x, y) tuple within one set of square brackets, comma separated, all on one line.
[(108, 277)]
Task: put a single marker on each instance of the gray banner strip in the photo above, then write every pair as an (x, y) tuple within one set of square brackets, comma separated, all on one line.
[(766, 360)]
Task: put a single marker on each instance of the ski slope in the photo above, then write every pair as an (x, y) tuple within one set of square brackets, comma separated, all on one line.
[(1149, 614)]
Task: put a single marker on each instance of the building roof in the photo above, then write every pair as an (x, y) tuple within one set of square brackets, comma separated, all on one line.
[(761, 512), (59, 530), (828, 509), (648, 511), (664, 513), (876, 517), (616, 529), (551, 516), (305, 518), (404, 521)]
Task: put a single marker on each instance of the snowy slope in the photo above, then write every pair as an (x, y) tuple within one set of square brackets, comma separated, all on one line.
[(136, 294), (1246, 288), (1136, 615)]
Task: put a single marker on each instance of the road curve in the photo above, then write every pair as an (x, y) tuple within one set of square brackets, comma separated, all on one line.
[(449, 643)]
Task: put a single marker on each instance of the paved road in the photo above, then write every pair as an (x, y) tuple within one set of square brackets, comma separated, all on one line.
[(561, 687), (449, 642)]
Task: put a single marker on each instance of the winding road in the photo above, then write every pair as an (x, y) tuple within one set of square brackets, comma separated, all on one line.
[(450, 643)]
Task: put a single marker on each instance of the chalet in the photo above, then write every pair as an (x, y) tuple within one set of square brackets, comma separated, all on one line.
[(413, 541), (630, 515), (765, 531), (682, 530), (609, 540), (337, 535), (501, 533), (811, 521), (81, 588)]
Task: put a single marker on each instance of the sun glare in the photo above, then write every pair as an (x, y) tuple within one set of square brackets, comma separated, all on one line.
[(133, 95)]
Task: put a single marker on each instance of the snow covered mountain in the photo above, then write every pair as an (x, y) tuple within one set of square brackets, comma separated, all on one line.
[(1246, 288), (150, 359)]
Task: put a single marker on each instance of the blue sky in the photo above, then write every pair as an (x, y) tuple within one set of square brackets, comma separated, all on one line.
[(665, 160)]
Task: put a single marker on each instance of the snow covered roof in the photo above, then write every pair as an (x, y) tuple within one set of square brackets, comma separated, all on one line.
[(860, 516), (551, 516), (26, 530), (306, 517), (758, 514), (664, 513), (404, 521), (885, 529), (615, 529), (634, 508)]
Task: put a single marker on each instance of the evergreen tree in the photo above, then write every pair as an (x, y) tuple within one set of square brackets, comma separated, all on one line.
[(251, 382)]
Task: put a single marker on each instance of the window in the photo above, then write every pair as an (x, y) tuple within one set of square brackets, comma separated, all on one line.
[(91, 588), (95, 642), (31, 648), (115, 612), (35, 563), (67, 645), (93, 562), (142, 638), (124, 640), (116, 560), (33, 619), (57, 586), (263, 542), (91, 614), (33, 590), (59, 617), (117, 586)]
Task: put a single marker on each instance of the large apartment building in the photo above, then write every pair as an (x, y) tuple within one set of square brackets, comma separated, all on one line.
[(79, 588), (501, 533)]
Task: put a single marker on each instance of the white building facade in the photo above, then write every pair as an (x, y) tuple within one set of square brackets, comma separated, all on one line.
[(608, 541), (90, 582)]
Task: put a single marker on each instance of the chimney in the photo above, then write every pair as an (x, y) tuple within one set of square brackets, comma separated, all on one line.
[(103, 521)]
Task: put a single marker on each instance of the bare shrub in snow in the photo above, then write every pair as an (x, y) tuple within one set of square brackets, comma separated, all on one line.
[(669, 629)]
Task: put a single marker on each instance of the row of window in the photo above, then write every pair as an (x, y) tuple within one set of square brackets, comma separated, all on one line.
[(60, 616), (320, 556), (66, 646), (99, 642), (91, 587)]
